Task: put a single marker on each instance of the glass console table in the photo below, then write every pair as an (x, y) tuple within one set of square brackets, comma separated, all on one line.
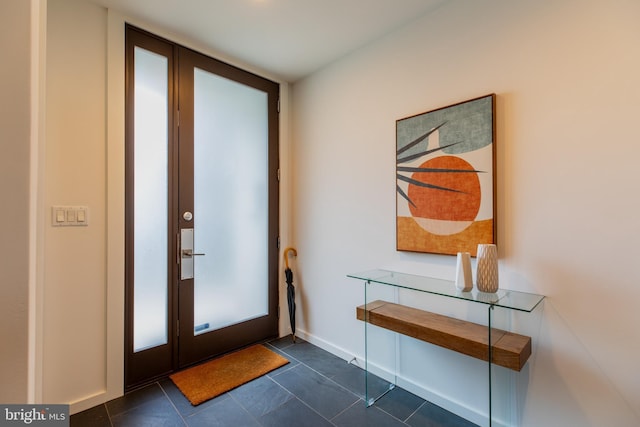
[(484, 342)]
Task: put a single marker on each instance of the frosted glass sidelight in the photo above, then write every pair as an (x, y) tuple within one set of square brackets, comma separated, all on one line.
[(231, 202), (151, 200)]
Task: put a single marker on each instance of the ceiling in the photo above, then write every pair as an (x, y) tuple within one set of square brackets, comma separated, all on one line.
[(286, 38)]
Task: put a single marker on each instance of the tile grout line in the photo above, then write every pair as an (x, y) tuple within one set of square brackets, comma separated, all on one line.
[(416, 411), (172, 404), (296, 398), (360, 398), (393, 416), (329, 378), (345, 410), (106, 409), (245, 409)]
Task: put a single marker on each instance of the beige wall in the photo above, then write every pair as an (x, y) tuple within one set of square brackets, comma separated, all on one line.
[(75, 257), (15, 134), (568, 101)]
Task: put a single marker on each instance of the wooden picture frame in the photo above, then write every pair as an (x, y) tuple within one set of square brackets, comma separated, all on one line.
[(445, 178)]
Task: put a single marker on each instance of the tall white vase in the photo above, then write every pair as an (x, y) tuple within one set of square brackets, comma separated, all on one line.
[(487, 268), (464, 279)]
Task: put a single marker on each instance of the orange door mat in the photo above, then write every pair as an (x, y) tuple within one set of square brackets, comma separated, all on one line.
[(213, 378)]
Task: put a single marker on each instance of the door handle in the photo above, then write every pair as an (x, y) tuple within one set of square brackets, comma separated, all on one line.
[(188, 253)]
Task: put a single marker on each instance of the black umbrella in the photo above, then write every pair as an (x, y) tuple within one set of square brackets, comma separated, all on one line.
[(291, 291)]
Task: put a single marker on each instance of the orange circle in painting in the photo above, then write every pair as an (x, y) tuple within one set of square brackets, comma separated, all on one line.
[(460, 204)]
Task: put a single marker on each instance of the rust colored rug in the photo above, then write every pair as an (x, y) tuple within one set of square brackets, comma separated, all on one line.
[(210, 379)]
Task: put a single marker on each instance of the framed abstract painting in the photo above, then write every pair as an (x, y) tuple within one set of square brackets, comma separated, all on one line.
[(445, 178)]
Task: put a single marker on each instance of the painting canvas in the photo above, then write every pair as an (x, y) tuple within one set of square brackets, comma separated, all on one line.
[(445, 178)]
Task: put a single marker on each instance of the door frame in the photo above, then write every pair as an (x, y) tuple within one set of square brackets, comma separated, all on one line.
[(156, 358), (159, 359)]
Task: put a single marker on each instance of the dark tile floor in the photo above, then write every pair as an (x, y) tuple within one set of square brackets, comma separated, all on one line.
[(315, 389)]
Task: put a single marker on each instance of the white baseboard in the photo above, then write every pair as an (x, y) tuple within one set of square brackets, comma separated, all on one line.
[(89, 402)]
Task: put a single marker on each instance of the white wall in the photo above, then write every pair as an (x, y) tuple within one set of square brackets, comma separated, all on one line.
[(568, 100), (15, 170)]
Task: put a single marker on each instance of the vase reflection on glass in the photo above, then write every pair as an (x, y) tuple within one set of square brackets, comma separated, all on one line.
[(487, 268)]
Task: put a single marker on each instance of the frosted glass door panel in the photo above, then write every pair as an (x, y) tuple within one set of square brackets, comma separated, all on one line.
[(151, 199), (230, 202)]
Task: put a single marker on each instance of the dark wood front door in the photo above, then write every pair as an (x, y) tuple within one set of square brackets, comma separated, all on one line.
[(202, 207)]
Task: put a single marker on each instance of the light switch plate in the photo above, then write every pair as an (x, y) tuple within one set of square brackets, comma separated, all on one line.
[(69, 216)]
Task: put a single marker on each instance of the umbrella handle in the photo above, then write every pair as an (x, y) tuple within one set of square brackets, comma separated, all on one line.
[(286, 258)]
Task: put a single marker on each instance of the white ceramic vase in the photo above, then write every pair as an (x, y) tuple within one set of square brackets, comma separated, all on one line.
[(464, 279), (487, 268)]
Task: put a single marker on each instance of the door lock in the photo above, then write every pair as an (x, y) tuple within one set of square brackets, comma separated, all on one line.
[(186, 254)]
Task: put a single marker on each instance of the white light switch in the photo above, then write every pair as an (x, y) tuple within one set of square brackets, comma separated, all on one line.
[(59, 215), (69, 216)]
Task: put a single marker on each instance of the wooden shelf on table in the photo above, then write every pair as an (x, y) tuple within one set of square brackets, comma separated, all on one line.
[(509, 350)]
